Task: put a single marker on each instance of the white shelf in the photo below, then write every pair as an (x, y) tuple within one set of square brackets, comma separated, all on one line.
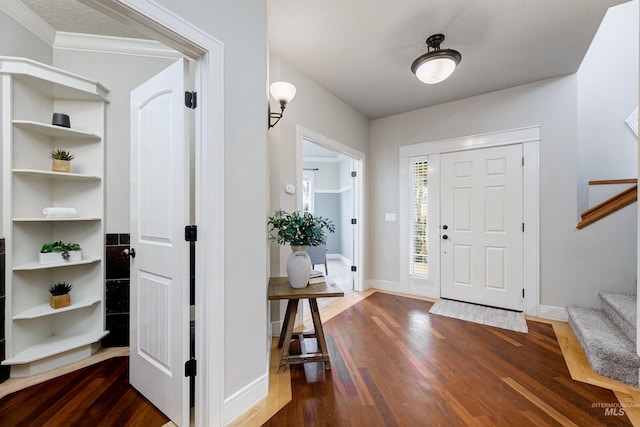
[(40, 219), (53, 82), (37, 266), (55, 131), (54, 345), (55, 175), (46, 310), (31, 92)]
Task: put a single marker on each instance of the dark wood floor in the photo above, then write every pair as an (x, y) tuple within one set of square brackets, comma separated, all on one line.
[(394, 364), (99, 395)]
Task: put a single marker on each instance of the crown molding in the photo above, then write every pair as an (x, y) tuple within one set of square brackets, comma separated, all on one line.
[(29, 19), (115, 45)]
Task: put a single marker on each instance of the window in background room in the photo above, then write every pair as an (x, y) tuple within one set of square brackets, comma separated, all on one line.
[(307, 191), (418, 263)]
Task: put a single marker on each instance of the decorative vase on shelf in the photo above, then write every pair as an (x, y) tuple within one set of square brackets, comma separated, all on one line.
[(57, 258), (298, 267)]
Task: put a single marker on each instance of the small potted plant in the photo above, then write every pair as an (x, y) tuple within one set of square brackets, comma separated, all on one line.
[(59, 252), (61, 160), (300, 230), (60, 294)]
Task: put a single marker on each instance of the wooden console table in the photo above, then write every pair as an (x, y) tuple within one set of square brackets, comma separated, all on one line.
[(280, 289)]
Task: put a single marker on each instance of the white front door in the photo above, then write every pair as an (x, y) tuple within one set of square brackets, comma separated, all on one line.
[(481, 226), (159, 333)]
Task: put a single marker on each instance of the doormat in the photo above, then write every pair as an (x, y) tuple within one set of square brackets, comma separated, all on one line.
[(489, 316)]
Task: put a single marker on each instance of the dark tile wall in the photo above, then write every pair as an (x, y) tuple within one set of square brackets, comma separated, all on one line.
[(117, 291), (4, 370)]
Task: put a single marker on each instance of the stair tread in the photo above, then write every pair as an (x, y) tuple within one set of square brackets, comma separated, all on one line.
[(624, 304), (609, 351), (601, 332)]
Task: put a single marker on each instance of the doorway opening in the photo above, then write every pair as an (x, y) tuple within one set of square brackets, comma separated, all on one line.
[(327, 184), (331, 175), (207, 196)]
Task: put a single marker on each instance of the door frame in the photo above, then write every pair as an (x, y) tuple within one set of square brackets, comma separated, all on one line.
[(160, 24), (359, 158), (530, 139)]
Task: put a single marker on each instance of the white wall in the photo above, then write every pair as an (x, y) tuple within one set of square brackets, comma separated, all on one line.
[(574, 264), (326, 178), (318, 110), (16, 40), (121, 73), (326, 201), (241, 27), (607, 94), (584, 135), (334, 200)]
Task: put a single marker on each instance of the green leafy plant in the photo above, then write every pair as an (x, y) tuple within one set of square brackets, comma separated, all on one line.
[(60, 288), (60, 247), (298, 229), (61, 155)]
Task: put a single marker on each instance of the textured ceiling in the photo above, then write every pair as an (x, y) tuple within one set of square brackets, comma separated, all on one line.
[(361, 50), (74, 17)]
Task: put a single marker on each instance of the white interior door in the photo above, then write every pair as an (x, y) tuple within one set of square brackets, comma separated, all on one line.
[(159, 335), (481, 226)]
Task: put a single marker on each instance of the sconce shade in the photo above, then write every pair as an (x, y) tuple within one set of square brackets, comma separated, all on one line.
[(282, 91), (436, 65)]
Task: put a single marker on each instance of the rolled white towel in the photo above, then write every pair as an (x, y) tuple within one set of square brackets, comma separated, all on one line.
[(52, 212)]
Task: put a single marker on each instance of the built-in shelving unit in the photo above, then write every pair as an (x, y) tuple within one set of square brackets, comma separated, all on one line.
[(39, 337)]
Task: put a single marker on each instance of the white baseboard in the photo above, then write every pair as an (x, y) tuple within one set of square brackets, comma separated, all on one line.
[(245, 399), (385, 285), (553, 313), (340, 257), (276, 327)]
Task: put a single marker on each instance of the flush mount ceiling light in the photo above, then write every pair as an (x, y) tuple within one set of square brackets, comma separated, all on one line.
[(437, 64), (282, 92)]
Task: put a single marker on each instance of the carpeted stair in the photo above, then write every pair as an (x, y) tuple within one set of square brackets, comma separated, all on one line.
[(608, 336)]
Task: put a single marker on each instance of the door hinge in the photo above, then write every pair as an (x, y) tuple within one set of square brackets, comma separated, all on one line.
[(191, 233), (190, 368), (523, 161), (354, 221), (354, 174), (191, 99), (354, 268), (523, 293), (523, 227)]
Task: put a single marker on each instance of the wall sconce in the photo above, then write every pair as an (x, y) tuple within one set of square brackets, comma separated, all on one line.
[(282, 92), (437, 64)]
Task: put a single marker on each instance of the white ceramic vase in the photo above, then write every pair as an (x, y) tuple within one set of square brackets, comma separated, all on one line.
[(298, 267)]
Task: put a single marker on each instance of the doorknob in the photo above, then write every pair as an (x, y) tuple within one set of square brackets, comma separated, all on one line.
[(445, 237), (444, 227), (128, 253)]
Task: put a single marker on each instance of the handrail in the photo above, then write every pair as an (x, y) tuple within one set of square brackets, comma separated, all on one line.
[(609, 206), (614, 181)]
